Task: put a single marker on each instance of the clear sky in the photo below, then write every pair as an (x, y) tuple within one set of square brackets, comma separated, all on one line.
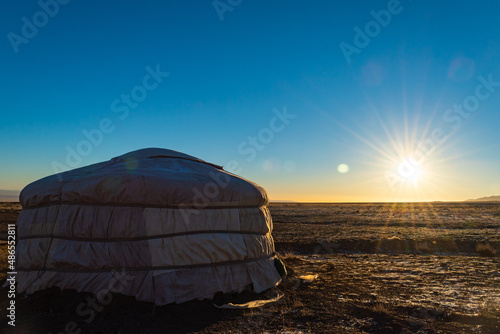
[(314, 100)]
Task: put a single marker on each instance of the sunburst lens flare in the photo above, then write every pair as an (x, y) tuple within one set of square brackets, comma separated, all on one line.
[(409, 172)]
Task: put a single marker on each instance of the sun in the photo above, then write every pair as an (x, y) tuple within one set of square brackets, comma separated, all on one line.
[(410, 172), (406, 160)]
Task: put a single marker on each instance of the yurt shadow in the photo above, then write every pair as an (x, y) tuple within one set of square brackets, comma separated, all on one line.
[(54, 311)]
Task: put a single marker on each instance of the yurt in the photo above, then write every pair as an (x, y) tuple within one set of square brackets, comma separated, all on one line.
[(156, 224)]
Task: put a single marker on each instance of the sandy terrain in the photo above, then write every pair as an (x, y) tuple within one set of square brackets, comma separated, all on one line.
[(382, 268)]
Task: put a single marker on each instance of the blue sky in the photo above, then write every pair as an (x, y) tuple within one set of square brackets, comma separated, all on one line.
[(234, 66)]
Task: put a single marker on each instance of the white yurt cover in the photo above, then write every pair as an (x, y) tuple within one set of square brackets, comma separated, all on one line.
[(156, 224)]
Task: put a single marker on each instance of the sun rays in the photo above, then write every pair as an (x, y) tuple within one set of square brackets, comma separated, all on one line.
[(403, 156)]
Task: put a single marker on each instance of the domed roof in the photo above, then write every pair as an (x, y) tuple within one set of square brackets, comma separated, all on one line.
[(150, 177)]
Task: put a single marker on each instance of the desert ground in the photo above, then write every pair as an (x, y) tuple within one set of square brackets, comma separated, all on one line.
[(381, 268)]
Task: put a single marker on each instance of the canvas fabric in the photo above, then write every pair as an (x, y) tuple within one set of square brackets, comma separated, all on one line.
[(155, 224)]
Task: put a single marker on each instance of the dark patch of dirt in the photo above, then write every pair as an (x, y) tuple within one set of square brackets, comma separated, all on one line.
[(8, 215), (382, 268)]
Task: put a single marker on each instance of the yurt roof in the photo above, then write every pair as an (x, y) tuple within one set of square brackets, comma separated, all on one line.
[(151, 177)]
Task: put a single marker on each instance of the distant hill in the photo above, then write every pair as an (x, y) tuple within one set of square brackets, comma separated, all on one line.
[(485, 199), (9, 195)]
